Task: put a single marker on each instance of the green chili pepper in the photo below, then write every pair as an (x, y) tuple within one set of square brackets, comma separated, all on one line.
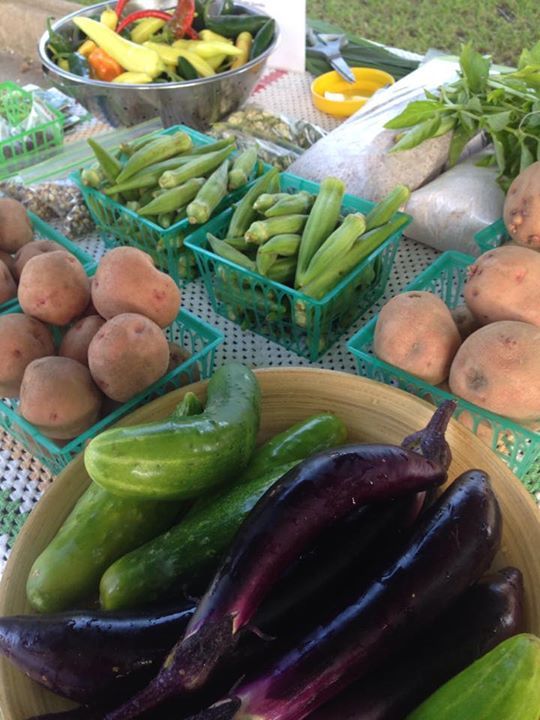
[(263, 38)]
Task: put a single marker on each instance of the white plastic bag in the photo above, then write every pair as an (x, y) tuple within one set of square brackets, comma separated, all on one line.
[(448, 211)]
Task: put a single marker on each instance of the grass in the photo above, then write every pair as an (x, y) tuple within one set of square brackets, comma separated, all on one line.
[(500, 28)]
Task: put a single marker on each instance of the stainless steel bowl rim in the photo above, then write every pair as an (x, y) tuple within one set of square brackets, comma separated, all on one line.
[(72, 77)]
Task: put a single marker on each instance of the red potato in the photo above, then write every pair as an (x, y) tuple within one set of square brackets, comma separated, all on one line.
[(126, 281), (59, 397), (8, 288), (15, 226), (76, 341), (54, 288), (38, 247), (22, 340), (415, 332), (128, 353), (522, 208), (504, 284), (497, 368), (465, 321)]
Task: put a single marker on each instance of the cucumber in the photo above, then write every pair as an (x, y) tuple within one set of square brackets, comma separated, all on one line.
[(176, 459), (100, 528), (184, 551), (504, 684)]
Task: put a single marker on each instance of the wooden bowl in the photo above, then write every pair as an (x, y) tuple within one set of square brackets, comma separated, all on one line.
[(373, 413)]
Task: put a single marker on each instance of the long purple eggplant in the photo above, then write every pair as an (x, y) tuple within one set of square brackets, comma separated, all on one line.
[(311, 497), (486, 614), (452, 547), (88, 655)]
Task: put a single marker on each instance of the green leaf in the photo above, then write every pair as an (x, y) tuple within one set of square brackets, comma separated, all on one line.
[(532, 120), (499, 153), (486, 161), (417, 135), (460, 138), (475, 68), (415, 112), (467, 121), (474, 105), (498, 121), (527, 157), (447, 123), (530, 57)]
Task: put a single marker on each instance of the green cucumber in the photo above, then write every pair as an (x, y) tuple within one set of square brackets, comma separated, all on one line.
[(184, 458), (504, 684), (100, 528)]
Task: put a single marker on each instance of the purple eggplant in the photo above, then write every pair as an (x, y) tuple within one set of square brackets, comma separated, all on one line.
[(486, 614), (308, 499), (85, 655), (452, 547)]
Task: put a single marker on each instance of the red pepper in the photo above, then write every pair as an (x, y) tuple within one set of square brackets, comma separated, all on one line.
[(183, 18), (119, 9), (139, 15)]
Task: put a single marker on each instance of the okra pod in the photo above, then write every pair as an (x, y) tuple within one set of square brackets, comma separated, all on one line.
[(108, 163), (264, 261), (266, 200), (384, 210), (162, 148), (335, 246), (196, 168), (227, 251), (242, 168), (165, 220), (299, 203), (209, 195), (285, 245), (132, 205), (282, 270), (138, 183), (244, 214), (239, 243), (363, 247), (261, 230), (172, 200), (131, 147), (322, 221), (212, 147), (92, 177)]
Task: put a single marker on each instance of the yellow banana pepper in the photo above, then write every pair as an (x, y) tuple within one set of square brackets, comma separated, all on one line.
[(133, 78), (244, 41), (109, 18), (144, 30), (215, 61), (170, 56), (86, 48), (213, 36), (132, 57), (208, 49)]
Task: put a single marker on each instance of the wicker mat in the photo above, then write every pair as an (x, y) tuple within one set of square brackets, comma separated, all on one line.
[(23, 479)]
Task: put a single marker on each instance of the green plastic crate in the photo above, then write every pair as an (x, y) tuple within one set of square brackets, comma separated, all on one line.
[(492, 236), (120, 226), (43, 231), (195, 336), (306, 326), (517, 445), (21, 150)]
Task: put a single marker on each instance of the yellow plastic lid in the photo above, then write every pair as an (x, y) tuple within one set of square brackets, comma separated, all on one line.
[(334, 95)]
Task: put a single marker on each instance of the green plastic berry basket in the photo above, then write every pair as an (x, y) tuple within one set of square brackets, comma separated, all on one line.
[(118, 225), (299, 323), (20, 150), (492, 236), (195, 336), (517, 445), (43, 231)]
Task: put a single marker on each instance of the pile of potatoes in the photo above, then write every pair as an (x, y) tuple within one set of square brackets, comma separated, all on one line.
[(112, 343), (486, 351)]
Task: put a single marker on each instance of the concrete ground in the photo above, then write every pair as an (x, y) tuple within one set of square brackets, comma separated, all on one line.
[(19, 69)]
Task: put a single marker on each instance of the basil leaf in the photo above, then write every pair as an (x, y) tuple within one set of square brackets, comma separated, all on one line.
[(415, 112), (460, 138), (475, 68), (474, 105), (486, 161), (499, 152), (466, 121), (417, 135), (498, 121), (447, 123), (527, 157)]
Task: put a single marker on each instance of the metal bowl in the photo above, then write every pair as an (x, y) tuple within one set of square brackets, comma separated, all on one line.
[(197, 103)]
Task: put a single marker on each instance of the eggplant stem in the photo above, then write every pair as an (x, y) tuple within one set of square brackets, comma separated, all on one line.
[(430, 442)]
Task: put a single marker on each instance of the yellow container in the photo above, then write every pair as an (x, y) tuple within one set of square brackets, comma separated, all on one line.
[(334, 95)]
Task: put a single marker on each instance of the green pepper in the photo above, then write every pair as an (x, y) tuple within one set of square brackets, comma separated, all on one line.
[(231, 26), (78, 65), (263, 38), (176, 459), (186, 70), (206, 531)]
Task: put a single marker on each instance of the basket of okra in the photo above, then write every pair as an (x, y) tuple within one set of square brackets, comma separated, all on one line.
[(299, 262), (152, 191)]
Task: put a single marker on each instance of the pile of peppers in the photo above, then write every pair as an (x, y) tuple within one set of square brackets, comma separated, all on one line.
[(109, 55)]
